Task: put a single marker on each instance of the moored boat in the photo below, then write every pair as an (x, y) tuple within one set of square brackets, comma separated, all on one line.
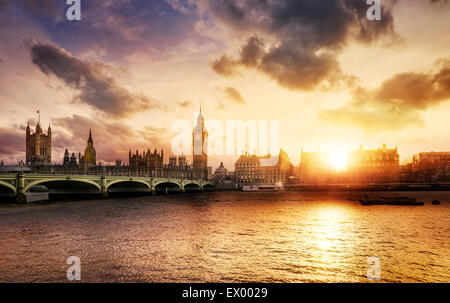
[(406, 201), (265, 187)]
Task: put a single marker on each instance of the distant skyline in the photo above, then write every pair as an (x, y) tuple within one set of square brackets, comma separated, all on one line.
[(129, 69)]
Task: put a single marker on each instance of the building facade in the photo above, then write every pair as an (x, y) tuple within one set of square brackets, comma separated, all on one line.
[(373, 166), (431, 166), (253, 169), (143, 164), (38, 146)]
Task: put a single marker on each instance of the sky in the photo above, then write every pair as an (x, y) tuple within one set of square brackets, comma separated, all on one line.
[(129, 69)]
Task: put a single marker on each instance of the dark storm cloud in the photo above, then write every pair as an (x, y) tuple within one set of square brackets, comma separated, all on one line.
[(252, 52), (367, 30), (396, 103), (97, 88), (305, 37)]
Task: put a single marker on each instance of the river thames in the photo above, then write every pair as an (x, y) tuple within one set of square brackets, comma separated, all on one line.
[(227, 237)]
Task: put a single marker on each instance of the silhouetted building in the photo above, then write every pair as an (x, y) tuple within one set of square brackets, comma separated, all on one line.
[(373, 166), (314, 168), (431, 166), (69, 161), (66, 159), (173, 161), (38, 146), (199, 149), (220, 174), (182, 161)]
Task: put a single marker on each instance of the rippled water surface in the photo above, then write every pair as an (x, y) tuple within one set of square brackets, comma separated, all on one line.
[(227, 237)]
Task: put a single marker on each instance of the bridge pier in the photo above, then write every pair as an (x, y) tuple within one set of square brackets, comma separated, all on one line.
[(104, 187), (21, 198)]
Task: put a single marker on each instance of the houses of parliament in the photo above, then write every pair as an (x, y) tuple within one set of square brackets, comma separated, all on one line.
[(147, 163)]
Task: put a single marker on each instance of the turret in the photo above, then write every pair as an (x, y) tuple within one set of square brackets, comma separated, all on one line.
[(49, 131), (38, 128), (66, 158), (28, 129)]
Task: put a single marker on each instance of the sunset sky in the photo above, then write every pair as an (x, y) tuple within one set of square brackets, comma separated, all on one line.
[(130, 68)]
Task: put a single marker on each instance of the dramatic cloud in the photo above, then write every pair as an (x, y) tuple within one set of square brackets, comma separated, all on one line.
[(396, 103), (185, 104), (112, 140), (225, 66), (35, 8), (297, 42), (12, 141), (97, 87), (372, 120), (234, 95)]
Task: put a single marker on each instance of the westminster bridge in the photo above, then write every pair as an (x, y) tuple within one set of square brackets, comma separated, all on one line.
[(19, 184)]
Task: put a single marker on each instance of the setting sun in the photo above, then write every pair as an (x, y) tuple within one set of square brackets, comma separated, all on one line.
[(338, 159)]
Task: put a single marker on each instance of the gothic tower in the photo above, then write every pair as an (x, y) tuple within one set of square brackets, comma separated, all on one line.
[(199, 148), (38, 146), (90, 156)]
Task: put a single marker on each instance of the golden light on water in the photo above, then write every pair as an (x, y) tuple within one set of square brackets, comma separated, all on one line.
[(329, 231)]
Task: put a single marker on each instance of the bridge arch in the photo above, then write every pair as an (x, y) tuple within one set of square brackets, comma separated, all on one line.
[(126, 181), (192, 186), (208, 187), (171, 186), (9, 186), (43, 181), (193, 182), (166, 182)]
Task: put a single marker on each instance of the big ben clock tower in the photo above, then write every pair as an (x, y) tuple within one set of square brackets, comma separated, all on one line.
[(199, 149)]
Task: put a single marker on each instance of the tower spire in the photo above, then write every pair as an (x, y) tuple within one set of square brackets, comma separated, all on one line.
[(90, 141)]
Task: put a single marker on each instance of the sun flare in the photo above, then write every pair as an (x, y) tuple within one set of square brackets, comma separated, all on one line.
[(338, 159)]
